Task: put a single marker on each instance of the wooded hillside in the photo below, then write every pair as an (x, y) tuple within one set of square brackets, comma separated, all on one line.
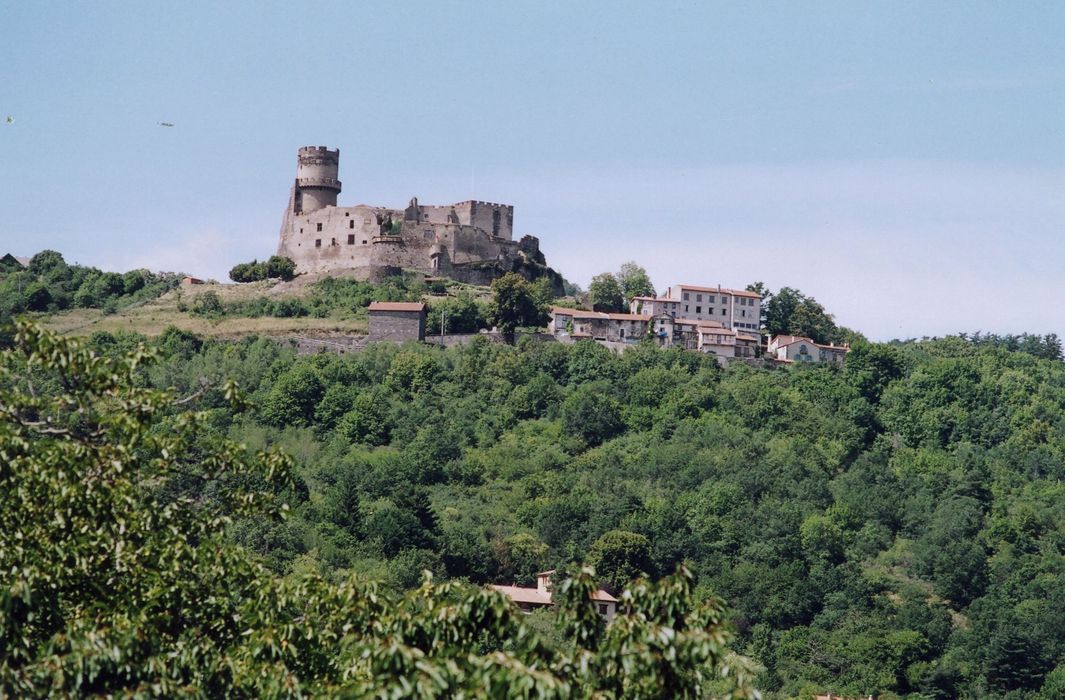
[(892, 527)]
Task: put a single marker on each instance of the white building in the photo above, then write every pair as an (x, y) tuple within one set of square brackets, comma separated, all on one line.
[(732, 308), (529, 599), (792, 348)]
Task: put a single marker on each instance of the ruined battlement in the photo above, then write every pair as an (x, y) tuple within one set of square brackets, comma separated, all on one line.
[(471, 241), (327, 182)]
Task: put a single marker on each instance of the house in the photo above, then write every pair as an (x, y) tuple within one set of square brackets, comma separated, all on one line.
[(13, 263), (397, 321), (747, 344), (188, 280), (793, 348), (529, 599), (732, 308), (654, 306), (598, 325)]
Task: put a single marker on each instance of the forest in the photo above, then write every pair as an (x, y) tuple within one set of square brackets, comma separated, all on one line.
[(894, 527)]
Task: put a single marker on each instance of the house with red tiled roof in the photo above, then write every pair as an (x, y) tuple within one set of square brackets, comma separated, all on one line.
[(529, 599), (598, 325), (796, 348)]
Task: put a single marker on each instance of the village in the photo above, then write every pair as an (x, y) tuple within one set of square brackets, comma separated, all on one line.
[(715, 321)]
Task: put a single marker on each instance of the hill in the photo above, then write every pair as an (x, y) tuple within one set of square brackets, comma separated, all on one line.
[(890, 527)]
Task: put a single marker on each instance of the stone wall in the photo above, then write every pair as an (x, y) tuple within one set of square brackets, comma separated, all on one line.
[(469, 241), (397, 326)]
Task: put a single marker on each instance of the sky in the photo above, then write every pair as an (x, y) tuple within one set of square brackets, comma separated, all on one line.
[(901, 162)]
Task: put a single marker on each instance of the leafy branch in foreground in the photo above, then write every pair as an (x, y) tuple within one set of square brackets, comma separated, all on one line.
[(110, 588)]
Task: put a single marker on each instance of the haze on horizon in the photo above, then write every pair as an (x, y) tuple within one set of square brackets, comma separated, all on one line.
[(904, 163)]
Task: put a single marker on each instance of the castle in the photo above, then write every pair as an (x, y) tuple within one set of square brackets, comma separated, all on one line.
[(469, 241)]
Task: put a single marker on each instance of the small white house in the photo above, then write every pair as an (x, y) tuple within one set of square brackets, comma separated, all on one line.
[(529, 599), (792, 348)]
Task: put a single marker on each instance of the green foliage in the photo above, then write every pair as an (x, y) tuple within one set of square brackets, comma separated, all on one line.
[(891, 527), (634, 282), (50, 284), (459, 314), (791, 312), (115, 588), (606, 294), (591, 415), (276, 267), (620, 556), (514, 304)]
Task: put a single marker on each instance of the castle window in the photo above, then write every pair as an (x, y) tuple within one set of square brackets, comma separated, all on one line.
[(317, 242), (319, 227), (351, 239), (351, 224)]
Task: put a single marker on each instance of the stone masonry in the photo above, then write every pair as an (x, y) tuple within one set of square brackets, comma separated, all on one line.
[(470, 241), (397, 321)]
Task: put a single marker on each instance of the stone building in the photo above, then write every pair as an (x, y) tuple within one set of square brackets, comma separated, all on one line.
[(598, 325), (397, 321), (469, 241)]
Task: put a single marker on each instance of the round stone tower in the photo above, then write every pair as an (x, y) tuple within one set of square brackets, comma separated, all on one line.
[(317, 185)]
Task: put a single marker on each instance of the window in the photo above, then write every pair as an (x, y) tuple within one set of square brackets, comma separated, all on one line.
[(710, 298), (699, 297), (317, 242), (333, 242), (319, 227), (698, 309), (722, 312), (351, 238), (351, 224), (743, 312), (364, 242), (301, 230), (685, 307), (685, 299), (602, 608)]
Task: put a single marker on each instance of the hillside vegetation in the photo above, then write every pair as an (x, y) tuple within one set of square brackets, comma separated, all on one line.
[(895, 526)]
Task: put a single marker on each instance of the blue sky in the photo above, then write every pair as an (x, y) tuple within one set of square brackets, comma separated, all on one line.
[(903, 162)]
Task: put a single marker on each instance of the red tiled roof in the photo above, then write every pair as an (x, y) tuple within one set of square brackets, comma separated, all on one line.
[(396, 306), (721, 290), (520, 594), (600, 315)]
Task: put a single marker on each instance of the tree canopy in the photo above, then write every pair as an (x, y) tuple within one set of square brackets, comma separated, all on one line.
[(120, 580)]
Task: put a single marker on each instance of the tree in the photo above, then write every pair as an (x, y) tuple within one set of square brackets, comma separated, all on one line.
[(514, 305), (605, 293), (46, 262), (620, 556), (591, 415), (634, 282), (278, 267), (110, 590), (790, 312)]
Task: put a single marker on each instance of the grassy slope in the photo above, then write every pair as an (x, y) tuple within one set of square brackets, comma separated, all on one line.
[(152, 317)]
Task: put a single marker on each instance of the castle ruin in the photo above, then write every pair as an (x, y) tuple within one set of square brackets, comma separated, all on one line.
[(469, 241)]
